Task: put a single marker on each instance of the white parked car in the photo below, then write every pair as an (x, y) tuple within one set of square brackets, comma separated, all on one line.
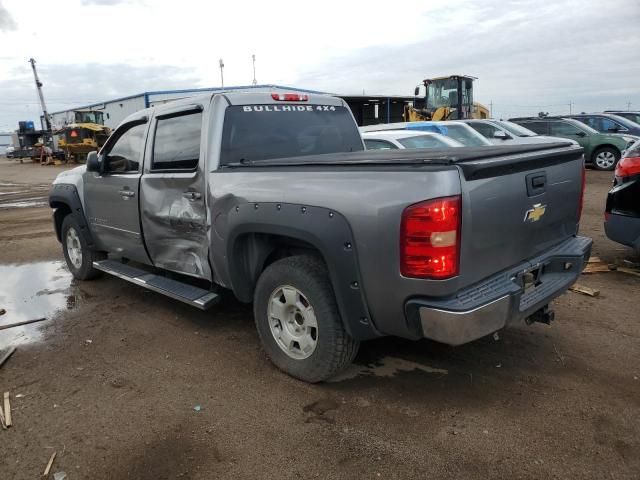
[(502, 132), (455, 130), (398, 139)]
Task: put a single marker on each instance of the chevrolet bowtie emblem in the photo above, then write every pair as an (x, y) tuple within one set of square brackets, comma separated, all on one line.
[(535, 213)]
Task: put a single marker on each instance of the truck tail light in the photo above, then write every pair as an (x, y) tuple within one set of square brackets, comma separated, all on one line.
[(290, 97), (628, 167), (582, 187), (430, 238)]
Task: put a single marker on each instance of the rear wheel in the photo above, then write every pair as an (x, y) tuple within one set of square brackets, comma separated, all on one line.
[(605, 158), (298, 320), (77, 253)]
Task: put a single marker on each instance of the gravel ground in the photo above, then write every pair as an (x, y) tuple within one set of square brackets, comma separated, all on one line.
[(124, 383)]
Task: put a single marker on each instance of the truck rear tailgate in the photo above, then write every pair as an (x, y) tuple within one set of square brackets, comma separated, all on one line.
[(516, 208)]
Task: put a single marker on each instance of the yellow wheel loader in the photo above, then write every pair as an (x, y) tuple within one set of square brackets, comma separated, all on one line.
[(445, 98), (85, 135)]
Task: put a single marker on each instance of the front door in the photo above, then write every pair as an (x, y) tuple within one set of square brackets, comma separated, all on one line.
[(173, 193), (111, 196)]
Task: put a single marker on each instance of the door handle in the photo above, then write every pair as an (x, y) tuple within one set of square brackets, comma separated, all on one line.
[(191, 196), (127, 193)]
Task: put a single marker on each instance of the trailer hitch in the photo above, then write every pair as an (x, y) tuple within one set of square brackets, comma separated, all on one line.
[(544, 315)]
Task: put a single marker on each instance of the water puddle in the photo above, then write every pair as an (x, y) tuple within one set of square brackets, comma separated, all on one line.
[(30, 291), (25, 204), (386, 367)]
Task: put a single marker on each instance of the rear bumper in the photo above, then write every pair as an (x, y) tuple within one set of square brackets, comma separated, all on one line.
[(623, 229), (502, 299)]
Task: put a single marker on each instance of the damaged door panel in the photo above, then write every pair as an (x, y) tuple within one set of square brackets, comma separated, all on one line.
[(173, 208)]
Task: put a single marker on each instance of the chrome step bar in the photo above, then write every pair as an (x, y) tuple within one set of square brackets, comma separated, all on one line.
[(194, 296)]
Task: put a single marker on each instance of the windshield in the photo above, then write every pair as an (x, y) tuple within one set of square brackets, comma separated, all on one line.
[(262, 132), (460, 132), (517, 130), (634, 117), (89, 117), (628, 123), (442, 93), (424, 141)]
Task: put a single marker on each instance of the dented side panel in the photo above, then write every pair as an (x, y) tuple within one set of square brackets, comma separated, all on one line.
[(173, 212)]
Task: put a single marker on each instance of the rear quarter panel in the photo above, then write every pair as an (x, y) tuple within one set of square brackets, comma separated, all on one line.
[(371, 200)]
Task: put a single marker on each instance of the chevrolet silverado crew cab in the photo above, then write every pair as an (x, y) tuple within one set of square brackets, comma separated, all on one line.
[(273, 197)]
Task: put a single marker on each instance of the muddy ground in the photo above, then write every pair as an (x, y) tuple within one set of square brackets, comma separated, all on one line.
[(113, 382)]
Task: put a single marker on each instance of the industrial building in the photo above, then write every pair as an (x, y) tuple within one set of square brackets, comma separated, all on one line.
[(367, 109)]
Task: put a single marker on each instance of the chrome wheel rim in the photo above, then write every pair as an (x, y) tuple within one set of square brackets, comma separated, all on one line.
[(292, 322), (74, 249), (605, 159)]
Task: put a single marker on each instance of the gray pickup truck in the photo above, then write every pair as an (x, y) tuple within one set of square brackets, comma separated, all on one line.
[(273, 197)]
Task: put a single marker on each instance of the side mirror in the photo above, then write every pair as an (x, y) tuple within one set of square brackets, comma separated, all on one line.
[(93, 162), (502, 135), (416, 92), (581, 134)]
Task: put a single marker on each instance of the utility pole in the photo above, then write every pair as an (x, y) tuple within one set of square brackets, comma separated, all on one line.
[(222, 73), (253, 57), (628, 106), (47, 120), (491, 109), (570, 107)]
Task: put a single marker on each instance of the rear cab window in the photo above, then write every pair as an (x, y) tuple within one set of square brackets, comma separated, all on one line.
[(264, 132)]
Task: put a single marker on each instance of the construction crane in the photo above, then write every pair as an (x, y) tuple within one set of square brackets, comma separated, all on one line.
[(47, 119)]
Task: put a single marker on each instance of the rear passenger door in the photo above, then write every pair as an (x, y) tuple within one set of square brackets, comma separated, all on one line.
[(173, 193)]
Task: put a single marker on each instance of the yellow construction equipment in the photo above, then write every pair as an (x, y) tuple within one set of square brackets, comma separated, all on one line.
[(84, 136), (445, 98)]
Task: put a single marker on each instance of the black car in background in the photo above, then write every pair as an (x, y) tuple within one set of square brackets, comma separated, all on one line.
[(633, 116), (608, 123), (622, 213)]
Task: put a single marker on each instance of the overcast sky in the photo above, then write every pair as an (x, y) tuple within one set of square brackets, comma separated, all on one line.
[(529, 55)]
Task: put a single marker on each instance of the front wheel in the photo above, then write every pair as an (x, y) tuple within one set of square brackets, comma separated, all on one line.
[(77, 253), (298, 320), (605, 158)]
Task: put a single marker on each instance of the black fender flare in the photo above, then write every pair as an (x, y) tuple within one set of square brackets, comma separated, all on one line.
[(67, 195), (326, 230)]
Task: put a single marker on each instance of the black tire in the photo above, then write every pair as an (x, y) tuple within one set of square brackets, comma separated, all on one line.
[(607, 152), (84, 269), (334, 349)]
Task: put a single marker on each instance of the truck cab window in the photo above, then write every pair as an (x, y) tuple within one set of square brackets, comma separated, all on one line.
[(123, 156), (177, 142)]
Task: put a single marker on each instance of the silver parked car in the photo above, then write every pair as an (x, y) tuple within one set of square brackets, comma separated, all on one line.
[(456, 130), (502, 132), (399, 139)]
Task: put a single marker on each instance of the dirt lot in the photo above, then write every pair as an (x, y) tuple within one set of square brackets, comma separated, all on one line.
[(125, 383)]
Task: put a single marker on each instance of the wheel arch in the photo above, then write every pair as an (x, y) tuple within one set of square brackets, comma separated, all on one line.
[(65, 200), (603, 146), (261, 234)]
